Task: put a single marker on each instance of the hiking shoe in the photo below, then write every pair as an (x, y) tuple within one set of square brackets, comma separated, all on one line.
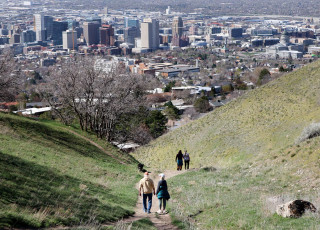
[(159, 211), (148, 212), (164, 212)]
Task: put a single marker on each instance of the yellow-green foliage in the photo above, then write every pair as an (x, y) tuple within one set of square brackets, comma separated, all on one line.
[(265, 119)]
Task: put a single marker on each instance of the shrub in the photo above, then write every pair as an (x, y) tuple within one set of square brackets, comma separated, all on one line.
[(309, 132), (202, 105), (46, 116), (168, 87), (13, 108)]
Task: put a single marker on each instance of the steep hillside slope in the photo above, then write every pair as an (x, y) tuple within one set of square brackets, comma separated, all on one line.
[(52, 175), (252, 158), (263, 120)]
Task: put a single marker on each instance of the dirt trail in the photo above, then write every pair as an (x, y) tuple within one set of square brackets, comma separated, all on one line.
[(161, 222), (97, 145)]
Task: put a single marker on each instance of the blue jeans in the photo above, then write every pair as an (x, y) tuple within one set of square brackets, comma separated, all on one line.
[(144, 202)]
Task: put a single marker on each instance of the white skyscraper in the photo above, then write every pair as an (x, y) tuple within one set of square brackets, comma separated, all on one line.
[(168, 10), (69, 38), (150, 34), (38, 20)]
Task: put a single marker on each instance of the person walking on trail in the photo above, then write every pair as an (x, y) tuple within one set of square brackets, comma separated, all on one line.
[(186, 158), (146, 187), (179, 160), (162, 194)]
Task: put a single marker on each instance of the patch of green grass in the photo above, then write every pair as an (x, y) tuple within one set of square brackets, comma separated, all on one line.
[(52, 177), (215, 199), (143, 224)]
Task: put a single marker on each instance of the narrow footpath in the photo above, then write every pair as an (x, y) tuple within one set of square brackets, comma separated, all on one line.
[(163, 221)]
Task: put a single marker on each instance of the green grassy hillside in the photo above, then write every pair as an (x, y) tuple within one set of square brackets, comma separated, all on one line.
[(251, 143), (263, 120), (51, 176)]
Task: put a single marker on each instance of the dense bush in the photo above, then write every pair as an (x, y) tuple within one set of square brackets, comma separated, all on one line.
[(202, 105)]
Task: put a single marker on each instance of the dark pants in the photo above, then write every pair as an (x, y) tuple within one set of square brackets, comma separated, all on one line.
[(186, 164), (144, 202), (162, 203), (179, 164)]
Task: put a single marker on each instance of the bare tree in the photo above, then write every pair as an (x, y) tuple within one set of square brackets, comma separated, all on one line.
[(9, 77), (191, 113), (97, 97)]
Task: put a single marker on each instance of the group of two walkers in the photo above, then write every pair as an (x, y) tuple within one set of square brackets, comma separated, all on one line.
[(147, 189)]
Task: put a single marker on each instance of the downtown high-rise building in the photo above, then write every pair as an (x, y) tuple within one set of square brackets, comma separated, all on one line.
[(43, 26), (130, 33), (177, 26), (150, 34), (48, 25), (57, 28), (38, 22), (27, 36), (91, 32), (177, 30), (106, 34), (69, 39)]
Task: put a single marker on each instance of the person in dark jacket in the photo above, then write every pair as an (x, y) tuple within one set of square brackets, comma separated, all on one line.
[(179, 160), (162, 194), (186, 157)]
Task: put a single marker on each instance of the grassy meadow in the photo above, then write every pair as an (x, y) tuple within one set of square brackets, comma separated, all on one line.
[(252, 144), (50, 176)]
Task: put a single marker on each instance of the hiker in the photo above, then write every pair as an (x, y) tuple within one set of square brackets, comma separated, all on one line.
[(179, 160), (146, 186), (186, 158), (163, 194)]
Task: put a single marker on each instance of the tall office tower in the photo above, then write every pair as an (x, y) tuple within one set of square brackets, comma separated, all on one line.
[(43, 27), (38, 21), (106, 33), (177, 26), (131, 22), (130, 33), (69, 39), (48, 25), (91, 32), (168, 10), (150, 34), (57, 29), (27, 36)]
